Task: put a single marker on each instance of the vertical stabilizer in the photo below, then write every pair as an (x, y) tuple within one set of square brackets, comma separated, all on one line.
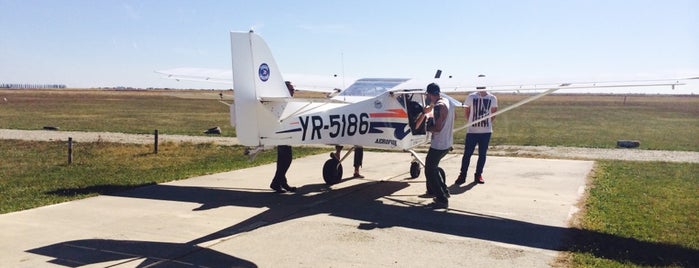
[(255, 76)]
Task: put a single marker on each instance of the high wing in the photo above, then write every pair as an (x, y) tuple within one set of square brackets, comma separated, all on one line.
[(330, 84), (539, 90), (451, 86), (221, 76)]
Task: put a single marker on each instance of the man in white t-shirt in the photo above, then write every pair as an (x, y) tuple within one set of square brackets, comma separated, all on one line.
[(478, 105)]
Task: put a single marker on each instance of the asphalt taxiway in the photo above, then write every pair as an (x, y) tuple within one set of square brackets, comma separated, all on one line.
[(518, 218)]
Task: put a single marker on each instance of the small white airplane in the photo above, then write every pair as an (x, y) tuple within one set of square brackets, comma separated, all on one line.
[(371, 112)]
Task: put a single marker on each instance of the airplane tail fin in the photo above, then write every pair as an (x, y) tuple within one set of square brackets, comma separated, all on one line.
[(255, 77)]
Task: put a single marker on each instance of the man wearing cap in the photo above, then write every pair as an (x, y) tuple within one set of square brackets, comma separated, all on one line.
[(478, 105), (440, 123)]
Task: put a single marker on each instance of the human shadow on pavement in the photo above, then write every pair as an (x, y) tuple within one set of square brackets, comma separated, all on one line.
[(456, 189), (371, 203)]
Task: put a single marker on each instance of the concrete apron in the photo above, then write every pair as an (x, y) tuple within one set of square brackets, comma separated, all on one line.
[(517, 218)]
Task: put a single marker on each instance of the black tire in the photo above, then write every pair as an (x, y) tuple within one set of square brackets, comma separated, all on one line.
[(414, 170), (332, 172)]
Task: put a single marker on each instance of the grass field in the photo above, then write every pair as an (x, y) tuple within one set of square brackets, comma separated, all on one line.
[(171, 112), (636, 214), (598, 121), (639, 214), (659, 122), (34, 174)]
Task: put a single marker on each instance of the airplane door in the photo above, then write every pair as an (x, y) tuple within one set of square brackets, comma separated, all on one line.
[(414, 104)]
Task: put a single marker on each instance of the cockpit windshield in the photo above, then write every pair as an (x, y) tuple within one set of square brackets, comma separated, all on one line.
[(370, 87)]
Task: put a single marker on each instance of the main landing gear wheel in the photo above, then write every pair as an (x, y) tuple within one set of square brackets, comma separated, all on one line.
[(332, 171), (414, 170)]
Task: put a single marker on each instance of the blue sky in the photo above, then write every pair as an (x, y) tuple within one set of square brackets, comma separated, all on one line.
[(120, 43)]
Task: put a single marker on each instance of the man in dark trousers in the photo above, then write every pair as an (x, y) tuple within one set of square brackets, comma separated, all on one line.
[(478, 105), (284, 155), (440, 115)]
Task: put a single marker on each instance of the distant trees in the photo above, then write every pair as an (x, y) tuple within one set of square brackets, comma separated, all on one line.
[(20, 86)]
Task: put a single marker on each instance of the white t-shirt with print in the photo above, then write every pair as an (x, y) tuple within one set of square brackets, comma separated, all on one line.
[(481, 107)]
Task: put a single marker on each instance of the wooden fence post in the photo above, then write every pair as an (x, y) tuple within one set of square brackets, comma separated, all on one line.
[(156, 142), (70, 150)]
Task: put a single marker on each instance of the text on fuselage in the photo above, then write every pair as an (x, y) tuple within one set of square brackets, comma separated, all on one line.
[(339, 125)]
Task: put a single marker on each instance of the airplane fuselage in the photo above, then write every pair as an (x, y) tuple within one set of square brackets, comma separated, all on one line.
[(381, 122)]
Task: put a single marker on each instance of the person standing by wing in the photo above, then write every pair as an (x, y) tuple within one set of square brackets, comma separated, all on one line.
[(479, 104), (358, 157), (284, 156), (440, 125)]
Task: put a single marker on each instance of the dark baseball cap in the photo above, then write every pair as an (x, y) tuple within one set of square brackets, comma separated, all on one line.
[(433, 88)]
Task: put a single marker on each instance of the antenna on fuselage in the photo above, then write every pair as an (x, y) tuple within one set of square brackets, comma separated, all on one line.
[(342, 62)]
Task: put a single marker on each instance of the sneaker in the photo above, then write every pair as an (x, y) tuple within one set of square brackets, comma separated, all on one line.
[(277, 188), (437, 204), (479, 179), (288, 188), (426, 195), (460, 180)]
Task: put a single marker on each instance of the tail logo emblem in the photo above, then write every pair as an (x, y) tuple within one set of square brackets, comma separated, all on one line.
[(264, 72)]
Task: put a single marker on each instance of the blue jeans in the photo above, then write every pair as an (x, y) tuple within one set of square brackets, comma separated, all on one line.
[(473, 139), (435, 181)]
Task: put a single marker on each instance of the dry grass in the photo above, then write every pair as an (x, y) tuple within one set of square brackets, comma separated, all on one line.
[(171, 112), (660, 122), (598, 121)]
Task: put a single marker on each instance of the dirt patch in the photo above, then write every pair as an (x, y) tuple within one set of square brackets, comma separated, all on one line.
[(501, 150)]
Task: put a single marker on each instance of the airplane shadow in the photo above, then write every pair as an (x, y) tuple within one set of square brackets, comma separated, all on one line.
[(363, 202), (150, 254)]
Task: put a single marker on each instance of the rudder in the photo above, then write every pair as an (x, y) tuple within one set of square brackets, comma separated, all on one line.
[(255, 76)]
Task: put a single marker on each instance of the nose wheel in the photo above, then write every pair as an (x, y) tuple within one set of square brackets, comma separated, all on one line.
[(415, 165)]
